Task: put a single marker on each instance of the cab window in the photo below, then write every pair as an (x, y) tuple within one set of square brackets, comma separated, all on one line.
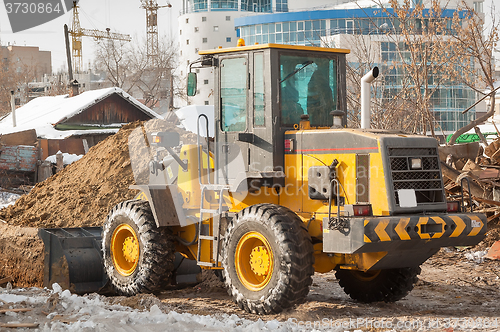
[(233, 94), (308, 85)]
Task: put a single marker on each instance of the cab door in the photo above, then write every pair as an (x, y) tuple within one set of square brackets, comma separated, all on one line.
[(233, 115)]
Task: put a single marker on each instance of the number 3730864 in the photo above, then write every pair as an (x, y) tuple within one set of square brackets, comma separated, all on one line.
[(33, 7)]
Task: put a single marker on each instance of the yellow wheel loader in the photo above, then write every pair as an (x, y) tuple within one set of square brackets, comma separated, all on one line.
[(283, 190)]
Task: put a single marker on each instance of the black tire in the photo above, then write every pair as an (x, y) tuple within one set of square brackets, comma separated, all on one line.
[(381, 285), (155, 257), (220, 275), (292, 267)]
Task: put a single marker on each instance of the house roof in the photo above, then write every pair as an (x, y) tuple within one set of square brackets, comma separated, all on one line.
[(43, 113)]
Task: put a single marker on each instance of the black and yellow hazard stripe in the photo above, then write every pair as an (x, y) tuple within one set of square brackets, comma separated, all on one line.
[(378, 230), (142, 196)]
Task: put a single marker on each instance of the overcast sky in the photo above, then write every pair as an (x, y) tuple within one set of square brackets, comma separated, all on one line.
[(123, 16)]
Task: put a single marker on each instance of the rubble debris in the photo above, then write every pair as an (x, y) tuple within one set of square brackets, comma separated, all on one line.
[(481, 166), (494, 251)]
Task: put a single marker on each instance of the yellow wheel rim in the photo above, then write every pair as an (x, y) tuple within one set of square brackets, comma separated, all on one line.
[(254, 261), (125, 249), (366, 276)]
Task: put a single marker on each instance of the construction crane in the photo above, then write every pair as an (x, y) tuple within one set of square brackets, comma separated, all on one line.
[(77, 32), (152, 7)]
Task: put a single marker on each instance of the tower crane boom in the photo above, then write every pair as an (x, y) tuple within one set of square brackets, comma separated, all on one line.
[(77, 32)]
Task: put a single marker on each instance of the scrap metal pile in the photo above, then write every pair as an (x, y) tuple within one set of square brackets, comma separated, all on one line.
[(471, 173)]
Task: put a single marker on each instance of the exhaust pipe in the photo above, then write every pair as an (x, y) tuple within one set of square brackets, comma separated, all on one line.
[(13, 107), (365, 96)]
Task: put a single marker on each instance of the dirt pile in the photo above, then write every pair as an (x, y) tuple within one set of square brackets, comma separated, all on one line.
[(83, 193), (21, 255), (80, 195)]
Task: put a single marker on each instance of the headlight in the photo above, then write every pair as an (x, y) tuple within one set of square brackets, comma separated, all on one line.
[(415, 163)]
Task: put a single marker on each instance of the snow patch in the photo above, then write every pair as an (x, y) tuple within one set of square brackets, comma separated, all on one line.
[(67, 158), (7, 198), (476, 256)]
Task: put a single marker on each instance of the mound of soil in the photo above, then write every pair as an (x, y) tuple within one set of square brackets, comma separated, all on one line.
[(80, 195), (22, 255), (84, 192)]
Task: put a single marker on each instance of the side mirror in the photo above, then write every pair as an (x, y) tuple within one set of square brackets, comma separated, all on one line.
[(191, 84), (165, 139)]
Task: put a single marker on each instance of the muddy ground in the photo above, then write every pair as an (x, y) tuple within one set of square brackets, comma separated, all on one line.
[(451, 290), (450, 285)]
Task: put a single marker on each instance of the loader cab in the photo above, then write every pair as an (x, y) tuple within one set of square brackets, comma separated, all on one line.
[(264, 90)]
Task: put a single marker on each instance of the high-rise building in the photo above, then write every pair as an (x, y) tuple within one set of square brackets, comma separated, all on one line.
[(205, 24)]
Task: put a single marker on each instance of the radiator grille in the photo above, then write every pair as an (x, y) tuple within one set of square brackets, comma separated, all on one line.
[(426, 180)]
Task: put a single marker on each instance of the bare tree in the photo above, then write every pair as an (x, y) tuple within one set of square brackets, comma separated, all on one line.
[(416, 58), (476, 45), (116, 58), (14, 76), (127, 67)]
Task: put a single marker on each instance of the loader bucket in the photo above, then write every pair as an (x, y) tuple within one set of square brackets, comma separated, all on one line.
[(73, 259)]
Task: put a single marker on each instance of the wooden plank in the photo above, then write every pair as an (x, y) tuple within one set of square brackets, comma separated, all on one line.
[(16, 325), (26, 137), (5, 280), (453, 174), (487, 201), (493, 217), (20, 158), (489, 173), (465, 150), (2, 311)]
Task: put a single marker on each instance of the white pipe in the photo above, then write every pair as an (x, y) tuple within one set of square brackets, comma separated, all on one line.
[(13, 108), (365, 97)]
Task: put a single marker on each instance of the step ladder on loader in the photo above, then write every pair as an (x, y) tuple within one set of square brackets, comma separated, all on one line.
[(206, 213)]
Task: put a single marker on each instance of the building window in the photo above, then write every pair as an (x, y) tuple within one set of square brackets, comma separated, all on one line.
[(228, 18), (206, 102), (224, 5), (203, 18), (196, 50), (228, 39), (187, 20), (216, 28), (180, 32), (181, 52), (205, 40), (281, 5), (205, 82), (187, 41), (198, 6), (196, 29), (258, 6)]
